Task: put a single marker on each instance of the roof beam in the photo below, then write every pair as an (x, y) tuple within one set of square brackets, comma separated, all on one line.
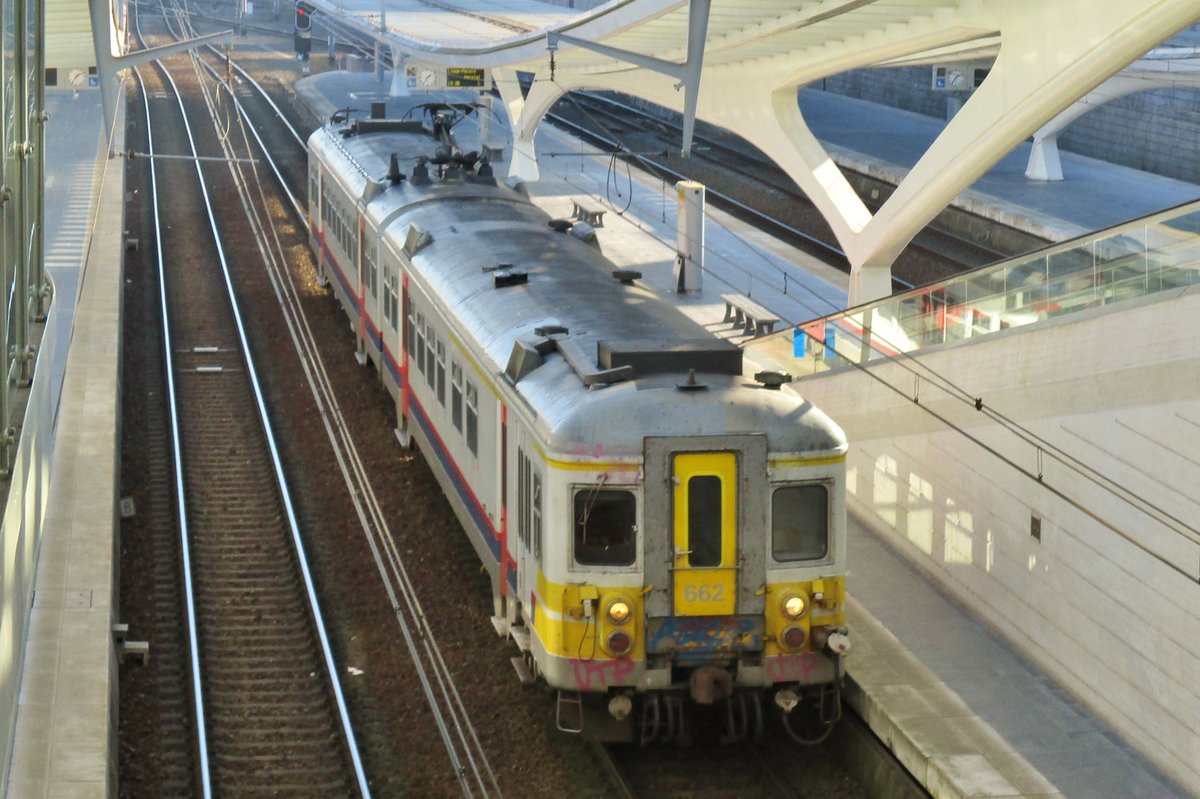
[(687, 74)]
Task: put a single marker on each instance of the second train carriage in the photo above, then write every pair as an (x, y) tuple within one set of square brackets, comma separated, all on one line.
[(661, 531)]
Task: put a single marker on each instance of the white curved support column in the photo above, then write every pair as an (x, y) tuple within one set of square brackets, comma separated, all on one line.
[(1145, 75), (524, 115), (1044, 163), (1020, 94)]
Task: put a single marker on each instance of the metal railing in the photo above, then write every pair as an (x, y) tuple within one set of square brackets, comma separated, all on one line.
[(1154, 255)]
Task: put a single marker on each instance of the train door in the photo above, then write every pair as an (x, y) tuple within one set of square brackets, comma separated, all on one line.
[(528, 551), (704, 525), (704, 533), (362, 337)]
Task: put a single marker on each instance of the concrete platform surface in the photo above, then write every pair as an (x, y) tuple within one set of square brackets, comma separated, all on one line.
[(65, 737)]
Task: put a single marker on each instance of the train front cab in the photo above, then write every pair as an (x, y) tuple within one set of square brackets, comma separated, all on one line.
[(733, 604)]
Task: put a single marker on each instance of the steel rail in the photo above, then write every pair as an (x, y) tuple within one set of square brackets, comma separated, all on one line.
[(264, 417), (180, 493)]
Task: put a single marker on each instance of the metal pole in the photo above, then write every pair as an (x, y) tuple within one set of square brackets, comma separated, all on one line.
[(25, 197), (38, 283), (9, 235)]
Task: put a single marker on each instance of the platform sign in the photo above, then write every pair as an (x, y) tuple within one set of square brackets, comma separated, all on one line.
[(464, 78), (428, 77)]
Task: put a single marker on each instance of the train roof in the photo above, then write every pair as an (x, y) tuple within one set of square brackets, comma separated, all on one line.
[(593, 358)]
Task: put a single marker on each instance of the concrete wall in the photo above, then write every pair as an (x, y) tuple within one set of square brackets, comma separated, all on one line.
[(1108, 600), (1154, 131)]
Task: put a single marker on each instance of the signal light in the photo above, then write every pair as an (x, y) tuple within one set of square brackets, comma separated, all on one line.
[(303, 16)]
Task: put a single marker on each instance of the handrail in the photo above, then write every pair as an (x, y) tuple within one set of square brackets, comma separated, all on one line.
[(1136, 259)]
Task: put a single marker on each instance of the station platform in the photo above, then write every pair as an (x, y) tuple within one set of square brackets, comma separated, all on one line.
[(65, 741), (963, 712)]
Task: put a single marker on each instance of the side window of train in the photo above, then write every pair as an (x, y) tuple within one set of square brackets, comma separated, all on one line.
[(371, 271), (420, 342), (410, 340), (800, 522), (536, 521), (472, 395), (456, 395), (529, 504), (522, 498), (441, 373), (605, 521), (391, 307), (431, 344)]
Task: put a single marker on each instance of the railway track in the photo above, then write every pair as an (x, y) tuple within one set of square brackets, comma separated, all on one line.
[(711, 772), (241, 98), (266, 703)]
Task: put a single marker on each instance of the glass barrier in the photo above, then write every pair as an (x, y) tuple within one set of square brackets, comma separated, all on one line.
[(1156, 254)]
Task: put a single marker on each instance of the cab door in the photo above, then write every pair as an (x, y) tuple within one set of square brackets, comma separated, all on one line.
[(704, 515), (704, 534)]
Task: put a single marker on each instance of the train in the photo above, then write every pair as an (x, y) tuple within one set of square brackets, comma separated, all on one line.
[(664, 528)]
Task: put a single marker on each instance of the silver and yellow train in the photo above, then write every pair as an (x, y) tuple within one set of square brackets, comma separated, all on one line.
[(664, 533)]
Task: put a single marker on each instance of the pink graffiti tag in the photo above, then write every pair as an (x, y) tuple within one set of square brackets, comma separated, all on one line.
[(604, 673), (791, 668)]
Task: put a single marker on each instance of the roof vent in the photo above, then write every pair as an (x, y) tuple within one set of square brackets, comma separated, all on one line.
[(416, 240), (772, 380), (420, 173), (509, 277), (626, 276)]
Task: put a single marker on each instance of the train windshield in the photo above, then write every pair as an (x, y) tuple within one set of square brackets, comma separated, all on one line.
[(605, 527), (800, 522)]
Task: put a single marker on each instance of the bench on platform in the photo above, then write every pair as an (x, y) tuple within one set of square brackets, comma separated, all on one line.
[(748, 314), (586, 213)]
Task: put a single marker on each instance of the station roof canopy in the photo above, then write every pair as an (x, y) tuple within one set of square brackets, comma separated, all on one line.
[(740, 63), (510, 32)]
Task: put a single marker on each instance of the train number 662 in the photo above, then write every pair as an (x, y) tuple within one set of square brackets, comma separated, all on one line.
[(704, 593)]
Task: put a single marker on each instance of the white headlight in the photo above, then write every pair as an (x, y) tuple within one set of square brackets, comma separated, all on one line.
[(793, 606), (618, 611)]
